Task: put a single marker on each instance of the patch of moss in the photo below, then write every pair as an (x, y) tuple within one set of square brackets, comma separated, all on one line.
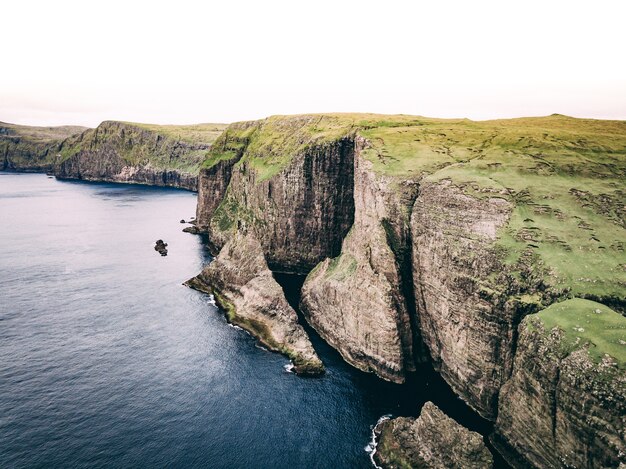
[(341, 267), (587, 323)]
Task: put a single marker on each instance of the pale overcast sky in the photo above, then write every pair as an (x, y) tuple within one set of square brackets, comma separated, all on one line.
[(81, 62)]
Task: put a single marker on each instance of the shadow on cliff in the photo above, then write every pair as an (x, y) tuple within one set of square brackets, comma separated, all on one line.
[(397, 399)]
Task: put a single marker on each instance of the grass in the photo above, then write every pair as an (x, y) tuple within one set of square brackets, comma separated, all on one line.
[(39, 134), (341, 267), (565, 181), (587, 322), (195, 133), (29, 147)]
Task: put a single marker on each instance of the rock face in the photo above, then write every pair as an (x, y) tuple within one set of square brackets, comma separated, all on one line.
[(355, 301), (299, 212), (561, 408), (468, 333), (433, 440), (135, 153), (245, 288), (25, 148)]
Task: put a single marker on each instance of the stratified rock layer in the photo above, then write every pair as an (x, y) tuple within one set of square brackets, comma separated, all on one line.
[(455, 263), (300, 214), (355, 301), (561, 408), (245, 288), (132, 153), (431, 441)]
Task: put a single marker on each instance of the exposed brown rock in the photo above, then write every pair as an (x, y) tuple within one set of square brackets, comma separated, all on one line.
[(245, 288), (355, 300), (300, 215), (121, 152), (560, 409), (468, 333), (433, 440)]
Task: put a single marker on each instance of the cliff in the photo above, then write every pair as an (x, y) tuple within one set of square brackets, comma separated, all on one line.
[(565, 404), (245, 288), (431, 441), (26, 148), (137, 153), (427, 239)]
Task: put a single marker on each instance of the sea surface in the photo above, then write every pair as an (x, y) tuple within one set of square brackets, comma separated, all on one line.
[(107, 360)]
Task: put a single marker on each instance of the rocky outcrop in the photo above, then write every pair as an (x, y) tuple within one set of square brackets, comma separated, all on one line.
[(455, 262), (562, 407), (300, 209), (133, 153), (26, 148), (433, 440), (244, 287), (355, 301)]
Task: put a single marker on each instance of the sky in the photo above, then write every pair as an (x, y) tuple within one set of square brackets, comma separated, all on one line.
[(180, 62)]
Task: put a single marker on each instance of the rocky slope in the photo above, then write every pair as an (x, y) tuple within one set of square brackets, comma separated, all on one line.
[(431, 441), (26, 148), (245, 288), (137, 153), (565, 404), (425, 237)]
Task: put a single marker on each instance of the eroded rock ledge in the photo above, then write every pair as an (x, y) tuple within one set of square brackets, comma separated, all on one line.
[(562, 407), (431, 441), (245, 289)]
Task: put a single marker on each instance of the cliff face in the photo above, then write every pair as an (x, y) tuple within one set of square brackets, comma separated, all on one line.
[(433, 440), (25, 148), (356, 300), (245, 288), (563, 407), (455, 261), (137, 153), (430, 235), (300, 213)]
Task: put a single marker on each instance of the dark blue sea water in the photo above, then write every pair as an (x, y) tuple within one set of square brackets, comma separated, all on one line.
[(107, 360)]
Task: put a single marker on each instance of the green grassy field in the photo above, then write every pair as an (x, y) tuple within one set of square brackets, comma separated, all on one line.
[(195, 133), (39, 134), (589, 323)]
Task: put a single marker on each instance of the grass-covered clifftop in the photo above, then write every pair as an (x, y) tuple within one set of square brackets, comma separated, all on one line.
[(586, 324), (164, 147), (564, 176), (30, 148)]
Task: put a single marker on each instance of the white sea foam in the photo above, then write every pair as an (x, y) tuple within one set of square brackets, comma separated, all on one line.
[(371, 446), (289, 367)]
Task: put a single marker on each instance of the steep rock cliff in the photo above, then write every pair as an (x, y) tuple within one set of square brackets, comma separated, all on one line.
[(356, 300), (431, 441), (300, 207), (565, 404), (26, 148), (245, 288), (137, 153), (465, 323)]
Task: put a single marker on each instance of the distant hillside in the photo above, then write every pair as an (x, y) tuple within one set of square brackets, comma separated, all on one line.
[(27, 148), (161, 155)]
